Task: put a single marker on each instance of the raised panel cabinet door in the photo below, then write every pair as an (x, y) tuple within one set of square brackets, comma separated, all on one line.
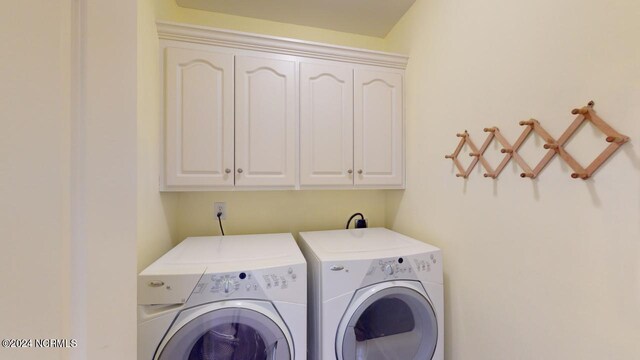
[(326, 124), (378, 128), (199, 118), (265, 122)]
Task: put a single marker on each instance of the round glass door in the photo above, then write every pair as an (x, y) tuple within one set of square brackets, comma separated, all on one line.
[(397, 323), (228, 334)]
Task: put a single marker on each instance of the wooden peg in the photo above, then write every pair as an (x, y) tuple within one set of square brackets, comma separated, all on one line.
[(526, 122), (493, 176), (474, 154), (448, 156), (550, 146), (461, 175), (582, 176), (527, 175), (583, 110), (462, 135), (617, 139), (506, 151), (491, 129)]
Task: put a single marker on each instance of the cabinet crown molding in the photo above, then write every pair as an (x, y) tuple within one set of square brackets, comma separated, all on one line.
[(279, 45)]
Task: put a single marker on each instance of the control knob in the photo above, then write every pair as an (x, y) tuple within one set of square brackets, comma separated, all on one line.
[(227, 284), (388, 269)]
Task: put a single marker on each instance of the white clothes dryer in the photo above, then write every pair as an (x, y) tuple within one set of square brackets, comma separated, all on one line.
[(374, 294), (224, 298)]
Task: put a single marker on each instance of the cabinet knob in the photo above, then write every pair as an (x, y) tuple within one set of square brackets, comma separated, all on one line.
[(350, 171), (228, 171), (360, 171), (240, 170)]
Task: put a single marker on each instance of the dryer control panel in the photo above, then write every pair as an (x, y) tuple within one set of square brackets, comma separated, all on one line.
[(412, 267), (391, 268), (245, 285), (425, 263)]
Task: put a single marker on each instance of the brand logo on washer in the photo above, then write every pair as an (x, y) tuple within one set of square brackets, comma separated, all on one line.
[(156, 283), (336, 268)]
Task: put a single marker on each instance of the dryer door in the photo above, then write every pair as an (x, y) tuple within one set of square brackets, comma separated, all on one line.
[(228, 333), (389, 321)]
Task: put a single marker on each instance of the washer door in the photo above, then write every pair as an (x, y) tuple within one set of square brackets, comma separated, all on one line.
[(388, 321), (228, 333)]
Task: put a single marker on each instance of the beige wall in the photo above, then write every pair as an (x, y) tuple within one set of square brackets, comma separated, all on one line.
[(252, 212), (543, 269), (157, 212), (168, 10)]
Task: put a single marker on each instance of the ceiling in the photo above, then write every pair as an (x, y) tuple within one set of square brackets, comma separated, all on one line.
[(365, 17)]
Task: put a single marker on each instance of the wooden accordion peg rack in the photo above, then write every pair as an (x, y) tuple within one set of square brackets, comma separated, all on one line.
[(586, 113)]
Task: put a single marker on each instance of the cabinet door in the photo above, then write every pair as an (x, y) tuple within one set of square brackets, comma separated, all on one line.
[(199, 118), (326, 125), (378, 128), (265, 122)]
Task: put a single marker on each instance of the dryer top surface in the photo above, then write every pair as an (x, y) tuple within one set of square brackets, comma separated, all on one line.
[(228, 253), (367, 243)]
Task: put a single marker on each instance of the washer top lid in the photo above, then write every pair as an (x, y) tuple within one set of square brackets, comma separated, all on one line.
[(367, 243), (228, 253)]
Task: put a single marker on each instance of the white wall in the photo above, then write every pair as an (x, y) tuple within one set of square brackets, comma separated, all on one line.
[(68, 177), (34, 174), (543, 269), (104, 193)]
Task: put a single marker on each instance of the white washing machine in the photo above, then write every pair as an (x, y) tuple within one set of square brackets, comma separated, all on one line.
[(374, 294), (225, 298)]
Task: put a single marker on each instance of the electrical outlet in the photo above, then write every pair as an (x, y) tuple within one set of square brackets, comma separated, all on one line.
[(220, 207)]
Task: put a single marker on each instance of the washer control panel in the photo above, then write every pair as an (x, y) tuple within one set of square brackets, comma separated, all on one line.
[(227, 284), (243, 285)]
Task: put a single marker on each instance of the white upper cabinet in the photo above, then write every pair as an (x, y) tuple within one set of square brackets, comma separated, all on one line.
[(265, 122), (245, 111), (378, 128), (326, 124), (198, 118)]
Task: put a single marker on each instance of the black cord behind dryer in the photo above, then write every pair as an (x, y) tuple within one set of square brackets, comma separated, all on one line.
[(361, 223)]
